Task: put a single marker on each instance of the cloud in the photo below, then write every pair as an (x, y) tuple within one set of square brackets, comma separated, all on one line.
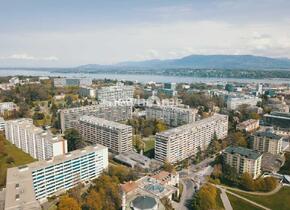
[(25, 56)]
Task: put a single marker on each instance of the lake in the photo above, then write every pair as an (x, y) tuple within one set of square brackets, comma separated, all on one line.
[(140, 78)]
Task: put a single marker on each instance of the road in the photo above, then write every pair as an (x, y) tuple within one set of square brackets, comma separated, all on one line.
[(193, 176)]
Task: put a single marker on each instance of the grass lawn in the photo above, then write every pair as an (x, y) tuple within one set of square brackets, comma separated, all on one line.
[(278, 201), (149, 144), (239, 204), (220, 205), (19, 157)]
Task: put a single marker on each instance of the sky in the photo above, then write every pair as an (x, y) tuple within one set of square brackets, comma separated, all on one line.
[(68, 33)]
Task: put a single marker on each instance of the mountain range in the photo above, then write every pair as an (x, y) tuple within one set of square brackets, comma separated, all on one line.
[(235, 62)]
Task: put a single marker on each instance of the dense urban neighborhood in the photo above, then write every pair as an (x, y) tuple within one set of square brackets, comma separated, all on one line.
[(81, 143)]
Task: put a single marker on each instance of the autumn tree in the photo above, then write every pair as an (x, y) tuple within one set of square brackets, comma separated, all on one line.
[(95, 199), (168, 167), (247, 182), (205, 199), (68, 203)]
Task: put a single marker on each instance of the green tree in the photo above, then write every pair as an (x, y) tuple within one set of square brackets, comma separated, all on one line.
[(74, 140)]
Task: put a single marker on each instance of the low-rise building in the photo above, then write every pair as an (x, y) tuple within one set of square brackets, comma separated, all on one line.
[(234, 102), (28, 185), (63, 82), (149, 190), (7, 106), (179, 143), (265, 141), (248, 125), (243, 160)]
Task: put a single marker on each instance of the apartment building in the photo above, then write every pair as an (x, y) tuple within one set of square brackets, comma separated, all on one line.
[(62, 82), (179, 143), (40, 144), (7, 106), (235, 102), (116, 136), (68, 117), (115, 93), (28, 185), (2, 124), (87, 91), (243, 160), (173, 116), (266, 141), (248, 125)]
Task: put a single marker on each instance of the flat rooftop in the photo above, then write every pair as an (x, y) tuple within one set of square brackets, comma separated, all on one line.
[(188, 127), (268, 134), (245, 152), (19, 186)]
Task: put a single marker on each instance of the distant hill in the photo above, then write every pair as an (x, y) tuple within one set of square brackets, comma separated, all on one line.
[(204, 62), (215, 62)]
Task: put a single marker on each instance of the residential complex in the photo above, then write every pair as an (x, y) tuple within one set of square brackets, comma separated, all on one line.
[(109, 112), (62, 82), (243, 160), (7, 106), (235, 102), (115, 93), (27, 185), (171, 115), (265, 141), (39, 143), (248, 125), (182, 142), (117, 137), (87, 91)]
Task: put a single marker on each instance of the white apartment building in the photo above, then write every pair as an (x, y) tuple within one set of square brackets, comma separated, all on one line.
[(115, 93), (116, 136), (235, 102), (243, 160), (2, 124), (68, 117), (172, 115), (40, 144), (248, 125), (87, 91), (62, 82), (28, 185), (266, 141), (7, 106), (179, 143)]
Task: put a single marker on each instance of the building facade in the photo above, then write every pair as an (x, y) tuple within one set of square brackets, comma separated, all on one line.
[(115, 93), (68, 117), (243, 160), (248, 125), (235, 102), (87, 91), (62, 82), (27, 185), (7, 106), (116, 136), (278, 120), (40, 144), (179, 143), (173, 116), (265, 141)]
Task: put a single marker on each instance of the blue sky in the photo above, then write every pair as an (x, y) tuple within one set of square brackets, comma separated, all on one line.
[(59, 33)]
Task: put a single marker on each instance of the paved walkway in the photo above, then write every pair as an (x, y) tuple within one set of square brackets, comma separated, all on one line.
[(226, 202), (279, 186), (225, 190)]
